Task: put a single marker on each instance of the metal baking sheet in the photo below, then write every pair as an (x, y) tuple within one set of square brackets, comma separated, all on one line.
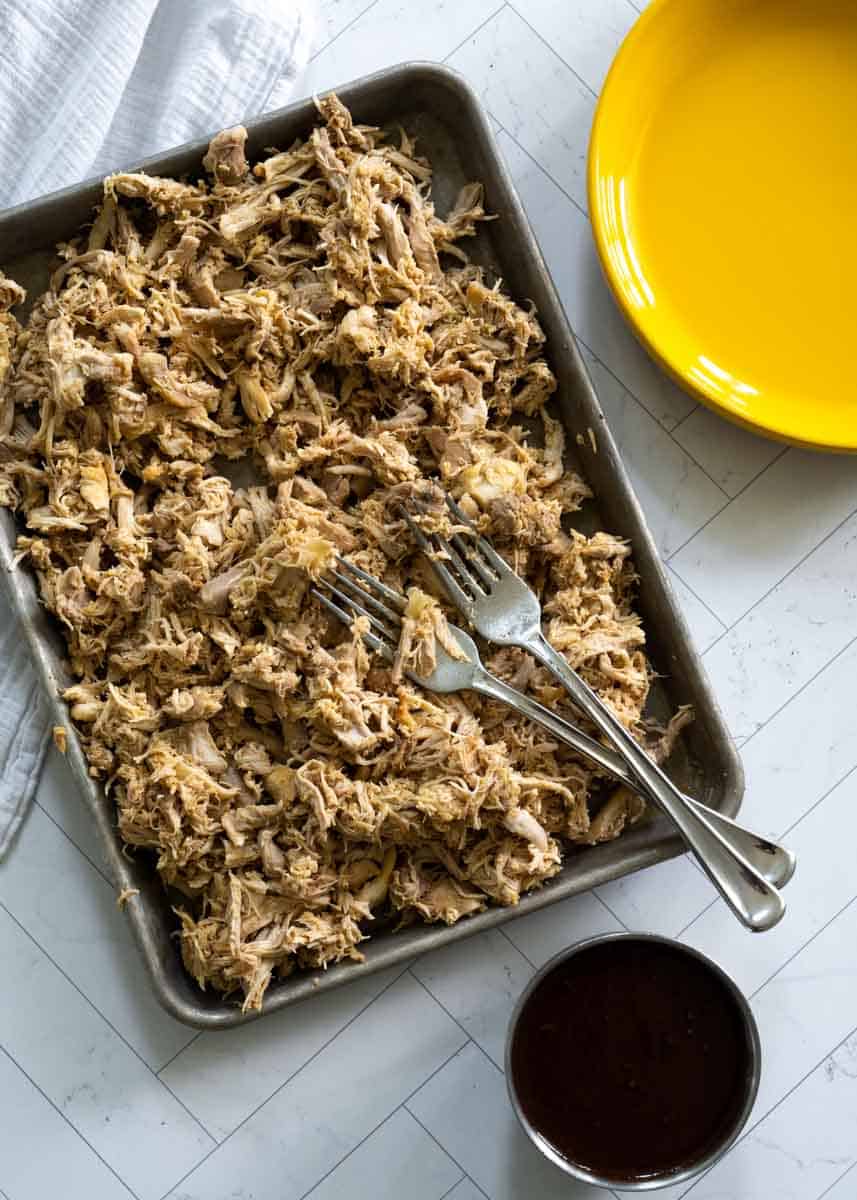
[(437, 106)]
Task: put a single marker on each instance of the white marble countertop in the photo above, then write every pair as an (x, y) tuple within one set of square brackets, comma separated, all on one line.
[(392, 1087)]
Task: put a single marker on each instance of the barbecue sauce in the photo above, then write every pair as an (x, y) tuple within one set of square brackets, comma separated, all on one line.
[(631, 1059)]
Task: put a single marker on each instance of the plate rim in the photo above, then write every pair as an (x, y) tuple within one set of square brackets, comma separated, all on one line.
[(657, 352)]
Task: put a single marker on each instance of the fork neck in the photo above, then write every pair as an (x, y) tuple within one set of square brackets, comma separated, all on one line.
[(538, 645)]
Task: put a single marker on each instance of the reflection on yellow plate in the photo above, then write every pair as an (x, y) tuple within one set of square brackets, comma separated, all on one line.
[(723, 196)]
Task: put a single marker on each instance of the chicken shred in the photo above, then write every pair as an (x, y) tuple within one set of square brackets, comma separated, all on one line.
[(313, 318)]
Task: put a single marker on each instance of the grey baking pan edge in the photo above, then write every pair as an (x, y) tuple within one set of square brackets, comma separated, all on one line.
[(437, 104)]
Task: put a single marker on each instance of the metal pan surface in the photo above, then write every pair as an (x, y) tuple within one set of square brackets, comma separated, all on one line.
[(437, 106)]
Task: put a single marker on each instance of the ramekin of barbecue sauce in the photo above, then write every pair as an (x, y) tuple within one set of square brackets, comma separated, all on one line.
[(632, 1061)]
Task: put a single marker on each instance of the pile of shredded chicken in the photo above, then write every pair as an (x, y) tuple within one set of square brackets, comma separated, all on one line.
[(312, 323)]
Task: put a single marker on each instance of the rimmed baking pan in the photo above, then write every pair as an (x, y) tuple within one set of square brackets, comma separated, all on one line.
[(437, 107)]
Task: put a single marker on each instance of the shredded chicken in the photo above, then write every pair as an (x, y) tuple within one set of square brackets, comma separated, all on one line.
[(314, 320), (125, 895)]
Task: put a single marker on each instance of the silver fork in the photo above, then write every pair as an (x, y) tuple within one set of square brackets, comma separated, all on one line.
[(749, 893), (493, 587), (501, 607)]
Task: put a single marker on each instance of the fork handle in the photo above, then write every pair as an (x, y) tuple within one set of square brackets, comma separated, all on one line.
[(755, 902), (773, 862)]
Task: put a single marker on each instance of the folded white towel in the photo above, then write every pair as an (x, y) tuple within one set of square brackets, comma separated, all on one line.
[(23, 730), (87, 86)]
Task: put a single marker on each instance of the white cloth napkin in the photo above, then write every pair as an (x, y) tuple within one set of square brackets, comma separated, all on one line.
[(87, 86)]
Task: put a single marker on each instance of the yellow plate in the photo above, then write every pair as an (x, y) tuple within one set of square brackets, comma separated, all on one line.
[(723, 197)]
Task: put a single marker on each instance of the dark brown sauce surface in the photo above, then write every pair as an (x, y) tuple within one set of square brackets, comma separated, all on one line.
[(631, 1059)]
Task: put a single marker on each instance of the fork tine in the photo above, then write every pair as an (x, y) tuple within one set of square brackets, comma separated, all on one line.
[(458, 555), (429, 547), (456, 593), (391, 596), (485, 548), (488, 577), (458, 512), (394, 618), (461, 561), (356, 608), (371, 641), (419, 537)]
